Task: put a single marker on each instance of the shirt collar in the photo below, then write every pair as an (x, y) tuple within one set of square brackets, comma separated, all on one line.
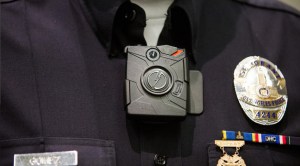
[(101, 15)]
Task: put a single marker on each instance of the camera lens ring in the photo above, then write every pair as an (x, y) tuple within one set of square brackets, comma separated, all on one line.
[(153, 54)]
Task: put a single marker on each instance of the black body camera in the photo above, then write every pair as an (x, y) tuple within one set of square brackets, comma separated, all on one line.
[(158, 83)]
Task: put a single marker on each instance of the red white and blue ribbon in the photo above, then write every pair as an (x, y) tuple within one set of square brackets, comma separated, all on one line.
[(261, 138)]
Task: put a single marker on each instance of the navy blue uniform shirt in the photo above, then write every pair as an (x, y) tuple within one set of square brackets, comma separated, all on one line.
[(63, 72)]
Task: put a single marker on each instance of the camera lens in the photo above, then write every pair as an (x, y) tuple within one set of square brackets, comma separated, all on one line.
[(152, 54)]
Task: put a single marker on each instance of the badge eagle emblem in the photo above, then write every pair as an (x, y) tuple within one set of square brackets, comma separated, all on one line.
[(227, 160), (261, 90)]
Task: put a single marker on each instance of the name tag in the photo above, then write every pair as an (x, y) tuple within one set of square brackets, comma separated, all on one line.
[(66, 158)]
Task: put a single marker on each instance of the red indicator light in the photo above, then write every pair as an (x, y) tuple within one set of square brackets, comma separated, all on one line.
[(178, 52)]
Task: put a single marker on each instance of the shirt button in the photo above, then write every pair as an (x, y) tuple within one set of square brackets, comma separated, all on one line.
[(130, 15), (160, 160)]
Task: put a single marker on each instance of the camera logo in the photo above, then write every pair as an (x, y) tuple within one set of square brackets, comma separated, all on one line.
[(157, 81)]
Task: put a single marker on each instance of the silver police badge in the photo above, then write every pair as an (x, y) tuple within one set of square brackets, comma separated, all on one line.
[(261, 90)]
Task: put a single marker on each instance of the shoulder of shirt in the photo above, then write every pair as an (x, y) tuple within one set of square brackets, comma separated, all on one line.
[(279, 5)]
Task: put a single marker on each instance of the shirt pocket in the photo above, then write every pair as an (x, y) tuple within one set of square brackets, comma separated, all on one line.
[(91, 152)]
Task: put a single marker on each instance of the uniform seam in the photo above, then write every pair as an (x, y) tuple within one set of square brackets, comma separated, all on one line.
[(34, 69), (88, 16), (256, 45)]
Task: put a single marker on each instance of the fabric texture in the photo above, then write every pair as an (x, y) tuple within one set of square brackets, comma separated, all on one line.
[(63, 71)]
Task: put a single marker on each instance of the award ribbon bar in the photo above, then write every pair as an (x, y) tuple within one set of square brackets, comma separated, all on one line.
[(261, 138)]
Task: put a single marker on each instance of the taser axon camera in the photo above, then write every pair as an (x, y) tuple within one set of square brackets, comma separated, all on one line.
[(159, 84)]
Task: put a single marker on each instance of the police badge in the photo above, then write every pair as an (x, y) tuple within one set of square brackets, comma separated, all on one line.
[(261, 90)]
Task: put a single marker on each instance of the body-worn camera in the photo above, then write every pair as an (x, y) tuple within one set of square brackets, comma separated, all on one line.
[(158, 83)]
